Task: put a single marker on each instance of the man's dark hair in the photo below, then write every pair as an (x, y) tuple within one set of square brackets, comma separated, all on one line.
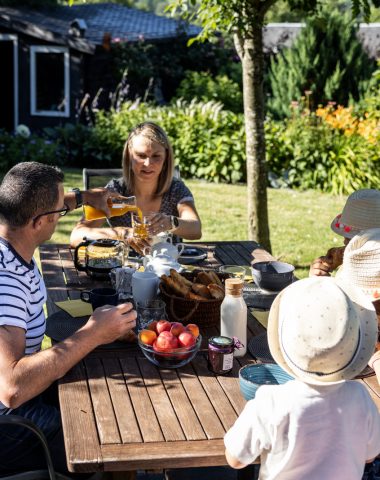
[(27, 190)]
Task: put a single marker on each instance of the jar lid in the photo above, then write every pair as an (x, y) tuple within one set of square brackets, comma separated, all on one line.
[(221, 341), (234, 285)]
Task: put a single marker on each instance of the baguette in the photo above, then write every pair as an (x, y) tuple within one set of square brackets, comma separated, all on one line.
[(203, 277), (178, 278), (193, 296), (201, 290), (176, 288), (216, 291), (215, 278)]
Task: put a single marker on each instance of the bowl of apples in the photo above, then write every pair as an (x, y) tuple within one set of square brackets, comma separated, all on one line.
[(170, 344)]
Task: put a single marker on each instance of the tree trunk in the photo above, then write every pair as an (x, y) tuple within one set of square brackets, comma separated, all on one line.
[(250, 50)]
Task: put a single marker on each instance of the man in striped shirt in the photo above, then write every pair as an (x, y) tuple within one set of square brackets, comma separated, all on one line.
[(31, 201)]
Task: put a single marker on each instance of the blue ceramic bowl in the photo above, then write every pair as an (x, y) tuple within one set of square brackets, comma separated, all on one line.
[(252, 376)]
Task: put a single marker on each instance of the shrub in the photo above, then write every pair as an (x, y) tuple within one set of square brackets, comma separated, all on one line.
[(166, 63), (208, 141), (313, 151), (327, 60), (17, 148), (204, 87)]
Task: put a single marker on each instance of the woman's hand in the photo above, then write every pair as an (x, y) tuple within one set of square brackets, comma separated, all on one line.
[(159, 222), (99, 198)]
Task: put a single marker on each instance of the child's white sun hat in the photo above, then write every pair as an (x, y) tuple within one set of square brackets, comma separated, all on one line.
[(321, 330)]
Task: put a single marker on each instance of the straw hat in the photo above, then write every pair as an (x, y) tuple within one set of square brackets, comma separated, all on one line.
[(361, 263), (361, 212), (322, 331)]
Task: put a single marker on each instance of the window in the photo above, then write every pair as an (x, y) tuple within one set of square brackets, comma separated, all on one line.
[(50, 81)]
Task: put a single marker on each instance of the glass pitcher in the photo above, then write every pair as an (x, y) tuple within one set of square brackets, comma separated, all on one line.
[(118, 206)]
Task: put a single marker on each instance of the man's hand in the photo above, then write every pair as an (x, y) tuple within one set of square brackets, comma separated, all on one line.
[(110, 323), (99, 198), (321, 267)]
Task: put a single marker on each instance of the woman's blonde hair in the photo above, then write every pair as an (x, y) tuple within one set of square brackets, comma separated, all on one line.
[(154, 133)]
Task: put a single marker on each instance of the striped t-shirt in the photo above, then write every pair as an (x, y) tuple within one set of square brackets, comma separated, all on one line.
[(22, 297)]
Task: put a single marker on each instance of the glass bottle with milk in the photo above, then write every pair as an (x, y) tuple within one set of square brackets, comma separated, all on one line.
[(233, 314)]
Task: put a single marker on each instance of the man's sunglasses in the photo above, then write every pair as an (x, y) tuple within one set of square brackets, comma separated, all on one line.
[(62, 212)]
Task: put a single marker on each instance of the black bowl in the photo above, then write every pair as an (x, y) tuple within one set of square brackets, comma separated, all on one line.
[(272, 275)]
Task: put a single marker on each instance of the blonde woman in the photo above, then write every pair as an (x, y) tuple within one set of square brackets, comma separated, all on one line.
[(148, 166)]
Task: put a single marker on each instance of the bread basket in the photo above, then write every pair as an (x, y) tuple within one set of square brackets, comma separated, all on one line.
[(204, 313)]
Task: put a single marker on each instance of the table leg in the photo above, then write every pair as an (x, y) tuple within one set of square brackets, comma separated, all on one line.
[(131, 475)]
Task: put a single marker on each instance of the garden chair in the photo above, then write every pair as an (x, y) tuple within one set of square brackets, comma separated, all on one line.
[(99, 177), (49, 473)]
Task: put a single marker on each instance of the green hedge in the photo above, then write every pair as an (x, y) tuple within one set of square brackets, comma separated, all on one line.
[(209, 143)]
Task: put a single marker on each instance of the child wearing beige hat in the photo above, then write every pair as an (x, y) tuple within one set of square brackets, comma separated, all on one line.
[(361, 267), (321, 425), (361, 212)]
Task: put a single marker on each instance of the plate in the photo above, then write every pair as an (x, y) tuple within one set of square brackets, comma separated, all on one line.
[(60, 325), (259, 348), (192, 255)]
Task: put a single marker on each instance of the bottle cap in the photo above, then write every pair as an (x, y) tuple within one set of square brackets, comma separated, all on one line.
[(234, 286)]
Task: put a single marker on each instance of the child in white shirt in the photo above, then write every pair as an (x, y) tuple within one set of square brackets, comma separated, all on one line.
[(320, 425)]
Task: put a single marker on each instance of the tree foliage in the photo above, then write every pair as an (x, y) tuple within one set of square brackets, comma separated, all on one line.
[(326, 60)]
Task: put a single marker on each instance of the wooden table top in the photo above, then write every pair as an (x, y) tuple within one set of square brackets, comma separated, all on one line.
[(121, 413)]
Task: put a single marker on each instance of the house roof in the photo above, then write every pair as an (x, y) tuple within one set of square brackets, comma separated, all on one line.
[(279, 35), (122, 23)]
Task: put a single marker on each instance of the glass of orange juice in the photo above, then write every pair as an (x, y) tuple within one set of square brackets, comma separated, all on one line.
[(141, 225)]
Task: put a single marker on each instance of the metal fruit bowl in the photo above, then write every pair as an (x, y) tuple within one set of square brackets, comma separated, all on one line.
[(175, 358)]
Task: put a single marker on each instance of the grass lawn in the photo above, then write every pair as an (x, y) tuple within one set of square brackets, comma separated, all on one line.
[(299, 221)]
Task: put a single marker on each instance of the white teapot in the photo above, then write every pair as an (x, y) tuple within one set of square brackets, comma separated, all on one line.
[(166, 248), (160, 264)]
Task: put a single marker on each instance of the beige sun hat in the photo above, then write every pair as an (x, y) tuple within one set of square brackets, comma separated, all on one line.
[(322, 331), (361, 212), (361, 263)]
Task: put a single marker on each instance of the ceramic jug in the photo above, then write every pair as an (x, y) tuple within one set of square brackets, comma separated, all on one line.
[(165, 248), (160, 264)]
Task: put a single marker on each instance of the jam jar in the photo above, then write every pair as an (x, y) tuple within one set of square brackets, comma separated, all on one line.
[(220, 354)]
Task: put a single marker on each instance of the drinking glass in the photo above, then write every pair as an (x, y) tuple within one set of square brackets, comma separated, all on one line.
[(141, 226), (121, 280), (233, 271), (149, 311)]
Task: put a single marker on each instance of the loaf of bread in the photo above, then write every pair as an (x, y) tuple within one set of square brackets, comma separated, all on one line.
[(204, 277), (201, 290), (193, 296), (178, 278), (216, 291), (204, 287), (178, 288)]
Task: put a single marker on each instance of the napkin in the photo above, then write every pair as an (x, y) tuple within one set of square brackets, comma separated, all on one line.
[(261, 316), (75, 308)]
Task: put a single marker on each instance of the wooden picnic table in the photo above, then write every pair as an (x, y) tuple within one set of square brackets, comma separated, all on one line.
[(121, 413)]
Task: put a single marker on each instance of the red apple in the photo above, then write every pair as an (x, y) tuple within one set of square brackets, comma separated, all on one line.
[(177, 328), (186, 339), (165, 341), (162, 326)]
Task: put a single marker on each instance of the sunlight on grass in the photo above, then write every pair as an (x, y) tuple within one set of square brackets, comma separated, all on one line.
[(299, 221)]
